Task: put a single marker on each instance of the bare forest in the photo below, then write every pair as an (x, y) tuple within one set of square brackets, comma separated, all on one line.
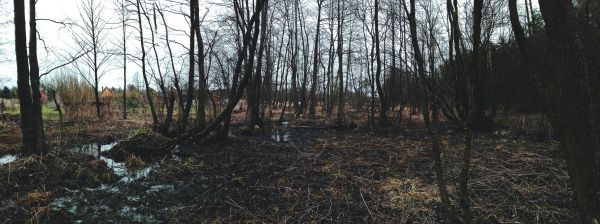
[(300, 111)]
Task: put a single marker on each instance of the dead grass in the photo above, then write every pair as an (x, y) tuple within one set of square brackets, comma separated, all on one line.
[(323, 174), (134, 163)]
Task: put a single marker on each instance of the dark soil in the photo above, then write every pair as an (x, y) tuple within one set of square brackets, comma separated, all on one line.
[(297, 172)]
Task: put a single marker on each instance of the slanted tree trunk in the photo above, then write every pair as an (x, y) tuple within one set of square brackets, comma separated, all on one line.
[(166, 124), (430, 124), (155, 122), (250, 39), (175, 74)]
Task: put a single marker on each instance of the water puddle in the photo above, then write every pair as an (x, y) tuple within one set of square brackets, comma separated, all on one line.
[(135, 215), (280, 136), (93, 149), (119, 168), (110, 203), (158, 188), (6, 159)]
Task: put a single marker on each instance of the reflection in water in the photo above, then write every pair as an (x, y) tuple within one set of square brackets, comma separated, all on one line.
[(6, 159), (95, 203), (118, 168), (280, 136)]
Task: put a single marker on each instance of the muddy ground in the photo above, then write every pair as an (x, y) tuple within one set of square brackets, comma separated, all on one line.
[(294, 172)]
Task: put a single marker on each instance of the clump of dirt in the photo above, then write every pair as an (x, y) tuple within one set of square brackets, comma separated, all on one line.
[(33, 171), (27, 184), (145, 144)]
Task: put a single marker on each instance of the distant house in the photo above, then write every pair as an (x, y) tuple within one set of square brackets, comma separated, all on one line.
[(107, 93)]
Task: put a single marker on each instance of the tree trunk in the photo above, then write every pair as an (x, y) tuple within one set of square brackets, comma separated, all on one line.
[(183, 119), (253, 89), (570, 105), (383, 111), (34, 74), (123, 14), (312, 111), (340, 48), (155, 122), (202, 88), (28, 128)]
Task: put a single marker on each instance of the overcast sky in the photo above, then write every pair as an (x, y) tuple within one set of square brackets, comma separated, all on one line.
[(59, 39)]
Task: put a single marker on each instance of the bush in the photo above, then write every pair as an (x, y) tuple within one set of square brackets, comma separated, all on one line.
[(76, 97)]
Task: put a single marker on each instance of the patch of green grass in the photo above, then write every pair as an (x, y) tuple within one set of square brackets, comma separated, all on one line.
[(48, 113), (11, 111)]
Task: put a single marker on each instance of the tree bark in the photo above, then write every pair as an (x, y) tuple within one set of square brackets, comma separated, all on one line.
[(202, 88), (155, 122), (312, 111), (340, 48), (383, 111), (570, 104), (28, 128), (253, 90), (183, 119), (34, 74)]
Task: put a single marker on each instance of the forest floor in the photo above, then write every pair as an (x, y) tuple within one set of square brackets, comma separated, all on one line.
[(298, 171)]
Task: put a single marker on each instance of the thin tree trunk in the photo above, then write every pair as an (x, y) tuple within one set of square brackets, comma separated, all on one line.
[(202, 88), (34, 74), (383, 115), (183, 120), (124, 59), (155, 122), (315, 72), (340, 48)]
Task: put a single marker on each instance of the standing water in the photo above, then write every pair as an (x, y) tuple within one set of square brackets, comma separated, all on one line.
[(119, 168), (6, 159)]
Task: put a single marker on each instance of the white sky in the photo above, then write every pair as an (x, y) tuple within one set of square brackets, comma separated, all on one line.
[(59, 39)]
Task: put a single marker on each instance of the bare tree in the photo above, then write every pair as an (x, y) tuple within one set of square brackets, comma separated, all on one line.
[(92, 34), (149, 95), (34, 75), (383, 115), (123, 16), (30, 106), (315, 71), (183, 119), (340, 48), (567, 92)]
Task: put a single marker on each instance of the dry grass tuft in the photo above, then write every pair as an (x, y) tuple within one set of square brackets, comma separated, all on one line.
[(135, 163), (408, 194)]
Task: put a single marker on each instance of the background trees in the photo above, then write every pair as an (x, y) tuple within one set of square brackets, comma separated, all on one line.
[(568, 90), (398, 58)]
